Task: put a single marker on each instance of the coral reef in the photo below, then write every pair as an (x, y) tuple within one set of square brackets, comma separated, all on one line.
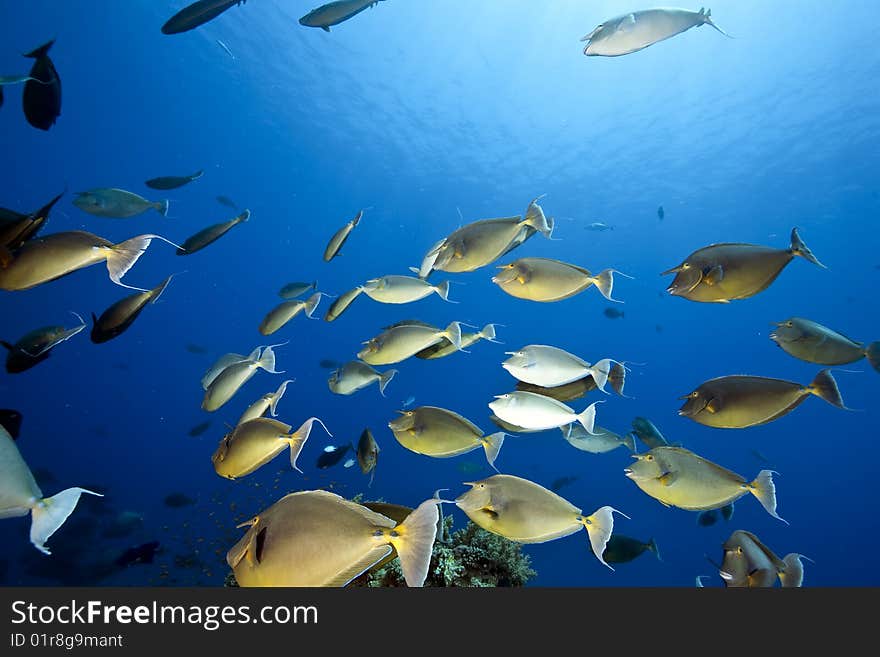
[(468, 557)]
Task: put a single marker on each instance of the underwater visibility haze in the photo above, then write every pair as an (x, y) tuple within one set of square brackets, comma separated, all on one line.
[(292, 200)]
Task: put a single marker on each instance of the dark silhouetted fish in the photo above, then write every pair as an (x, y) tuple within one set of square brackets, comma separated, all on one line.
[(649, 434), (11, 421), (172, 182), (199, 429), (332, 455), (328, 364), (45, 477), (661, 213), (297, 289), (333, 13), (211, 234), (117, 318), (143, 553), (195, 348), (177, 500), (707, 518), (198, 13), (228, 202), (621, 549), (17, 228), (36, 346), (612, 313), (562, 482), (122, 524), (42, 95)]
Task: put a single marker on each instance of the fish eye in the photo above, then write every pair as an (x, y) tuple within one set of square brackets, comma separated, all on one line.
[(739, 549), (789, 323), (649, 457)]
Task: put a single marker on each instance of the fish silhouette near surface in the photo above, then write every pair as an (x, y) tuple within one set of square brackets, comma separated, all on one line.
[(334, 13), (637, 30), (196, 14)]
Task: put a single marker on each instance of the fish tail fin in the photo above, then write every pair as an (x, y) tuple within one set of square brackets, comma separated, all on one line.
[(298, 439), (617, 377), (539, 222), (630, 442), (244, 216), (267, 360), (121, 257), (599, 527), (384, 379), (492, 445), (488, 332), (414, 540), (872, 353), (159, 289), (652, 546), (604, 282), (161, 207), (310, 304), (278, 395), (50, 514), (765, 490), (588, 418), (443, 291), (453, 333), (600, 372), (41, 51), (793, 575), (825, 386), (198, 174), (799, 248), (707, 20)]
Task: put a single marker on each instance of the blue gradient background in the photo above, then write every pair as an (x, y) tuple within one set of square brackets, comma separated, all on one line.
[(415, 109)]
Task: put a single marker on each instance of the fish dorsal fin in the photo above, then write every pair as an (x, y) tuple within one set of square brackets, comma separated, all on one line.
[(668, 478), (245, 545)]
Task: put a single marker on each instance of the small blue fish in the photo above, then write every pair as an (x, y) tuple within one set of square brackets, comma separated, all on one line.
[(408, 402)]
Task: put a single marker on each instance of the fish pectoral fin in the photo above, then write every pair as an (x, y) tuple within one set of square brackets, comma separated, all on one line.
[(325, 28), (489, 511), (714, 276), (5, 257), (713, 405), (668, 478)]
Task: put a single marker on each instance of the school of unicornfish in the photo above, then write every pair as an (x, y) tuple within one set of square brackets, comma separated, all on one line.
[(318, 538)]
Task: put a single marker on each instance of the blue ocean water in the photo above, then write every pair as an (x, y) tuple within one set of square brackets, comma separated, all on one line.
[(416, 111)]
